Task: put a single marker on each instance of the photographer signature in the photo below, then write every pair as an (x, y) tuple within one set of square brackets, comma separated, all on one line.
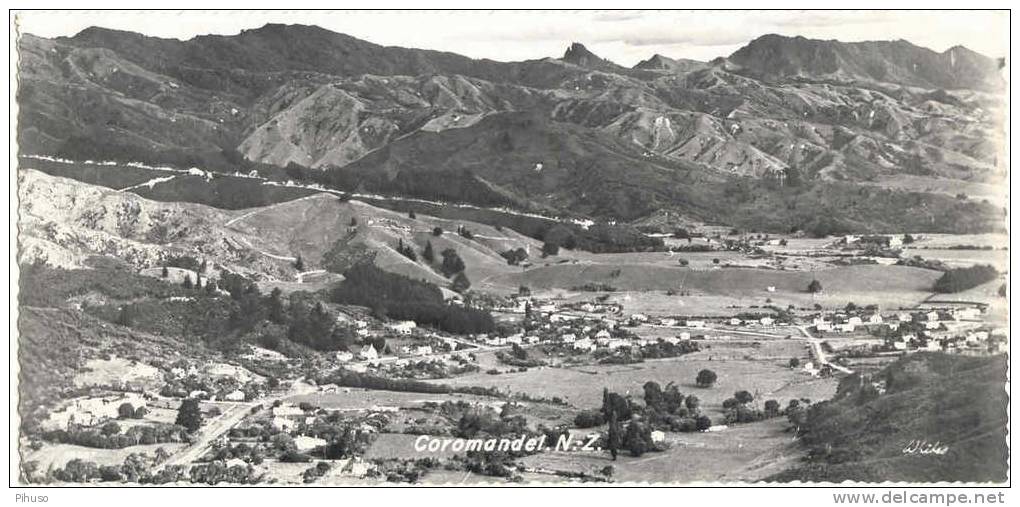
[(925, 447)]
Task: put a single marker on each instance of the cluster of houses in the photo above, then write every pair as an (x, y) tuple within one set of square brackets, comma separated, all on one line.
[(931, 320), (972, 342), (92, 411), (875, 240), (766, 321)]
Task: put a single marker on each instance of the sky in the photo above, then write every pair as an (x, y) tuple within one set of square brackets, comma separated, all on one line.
[(625, 37)]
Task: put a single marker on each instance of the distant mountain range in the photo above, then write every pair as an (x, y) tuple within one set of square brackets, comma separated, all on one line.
[(764, 138)]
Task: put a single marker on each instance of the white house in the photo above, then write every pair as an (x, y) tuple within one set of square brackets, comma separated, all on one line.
[(932, 316), (905, 317), (771, 288), (237, 395), (404, 327), (823, 326), (847, 327), (684, 336), (900, 345), (568, 338), (695, 323), (615, 344), (932, 346), (287, 409), (585, 344), (282, 424), (667, 322), (342, 356), (307, 443), (966, 314), (895, 241), (767, 321), (875, 319), (658, 436), (977, 336), (640, 317), (368, 353), (603, 334), (735, 322), (931, 324), (422, 350), (855, 321)]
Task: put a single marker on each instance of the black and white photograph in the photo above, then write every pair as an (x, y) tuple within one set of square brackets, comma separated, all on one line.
[(604, 248)]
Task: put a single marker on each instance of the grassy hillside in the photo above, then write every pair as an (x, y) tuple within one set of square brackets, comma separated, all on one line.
[(950, 401), (726, 280), (55, 343)]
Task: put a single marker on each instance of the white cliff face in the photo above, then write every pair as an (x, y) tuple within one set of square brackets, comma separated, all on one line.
[(64, 222)]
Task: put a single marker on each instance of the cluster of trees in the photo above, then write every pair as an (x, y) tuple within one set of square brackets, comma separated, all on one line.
[(313, 473), (452, 263), (428, 253), (109, 435), (814, 287), (400, 297), (189, 415), (961, 279), (310, 324), (738, 409), (515, 256), (465, 232), (134, 469), (518, 357), (186, 262), (669, 408), (407, 250), (217, 471), (348, 378), (128, 411), (706, 378), (550, 248), (636, 438)]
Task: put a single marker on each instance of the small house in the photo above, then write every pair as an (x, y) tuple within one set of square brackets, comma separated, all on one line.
[(237, 395), (368, 353)]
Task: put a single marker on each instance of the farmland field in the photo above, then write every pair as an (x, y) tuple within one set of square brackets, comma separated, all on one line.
[(746, 452), (582, 386), (360, 399)]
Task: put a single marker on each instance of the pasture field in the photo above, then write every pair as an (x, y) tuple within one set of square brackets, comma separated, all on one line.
[(839, 283), (582, 386), (949, 240), (992, 192), (401, 446), (362, 399), (999, 259), (746, 452), (57, 455)]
